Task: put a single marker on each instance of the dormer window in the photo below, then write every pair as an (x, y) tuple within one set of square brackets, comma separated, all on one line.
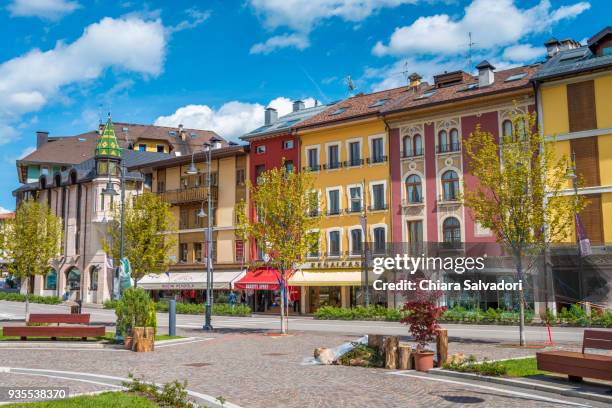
[(172, 133), (339, 111), (516, 77)]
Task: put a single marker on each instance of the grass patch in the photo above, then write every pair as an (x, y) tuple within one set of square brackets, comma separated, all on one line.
[(115, 399), (520, 367), (110, 337)]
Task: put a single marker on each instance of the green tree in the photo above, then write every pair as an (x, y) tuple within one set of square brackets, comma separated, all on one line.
[(520, 192), (30, 241), (149, 235), (284, 222)]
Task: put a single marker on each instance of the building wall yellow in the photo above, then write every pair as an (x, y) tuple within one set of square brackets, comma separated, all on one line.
[(606, 209), (554, 105), (604, 145), (151, 145), (603, 101)]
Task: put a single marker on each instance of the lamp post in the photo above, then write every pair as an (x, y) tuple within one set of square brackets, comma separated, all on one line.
[(572, 175), (109, 190), (209, 264), (364, 252)]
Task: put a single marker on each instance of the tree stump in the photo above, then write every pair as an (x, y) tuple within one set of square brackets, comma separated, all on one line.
[(144, 339), (391, 345), (442, 347), (376, 341), (405, 357)]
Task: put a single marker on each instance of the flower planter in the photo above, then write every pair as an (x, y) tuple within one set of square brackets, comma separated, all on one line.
[(128, 342), (144, 339), (423, 360)]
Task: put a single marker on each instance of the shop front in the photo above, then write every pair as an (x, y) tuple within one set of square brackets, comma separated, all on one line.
[(261, 287), (326, 288)]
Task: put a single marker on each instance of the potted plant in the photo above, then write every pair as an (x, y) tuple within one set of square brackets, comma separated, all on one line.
[(422, 314), (136, 319)]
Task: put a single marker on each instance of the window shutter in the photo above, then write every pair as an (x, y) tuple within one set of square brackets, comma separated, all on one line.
[(581, 106), (587, 160), (592, 219)]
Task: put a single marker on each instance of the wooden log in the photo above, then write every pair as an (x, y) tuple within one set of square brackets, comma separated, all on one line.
[(405, 357), (391, 345), (144, 339), (442, 347), (376, 341)]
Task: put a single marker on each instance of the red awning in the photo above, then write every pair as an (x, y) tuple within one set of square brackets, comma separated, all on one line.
[(260, 279)]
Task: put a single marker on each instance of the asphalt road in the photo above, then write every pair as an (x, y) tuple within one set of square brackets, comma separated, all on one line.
[(509, 334)]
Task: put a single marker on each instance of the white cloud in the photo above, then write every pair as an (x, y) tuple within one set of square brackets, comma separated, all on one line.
[(298, 41), (522, 52), (196, 16), (301, 16), (4, 210), (492, 23), (46, 9), (394, 75), (231, 120)]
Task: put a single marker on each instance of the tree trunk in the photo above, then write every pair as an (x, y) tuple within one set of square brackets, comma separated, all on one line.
[(391, 348), (27, 302), (442, 346), (405, 357), (519, 270), (282, 305)]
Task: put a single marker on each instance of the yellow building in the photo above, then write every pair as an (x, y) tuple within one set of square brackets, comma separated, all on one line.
[(346, 148), (574, 96)]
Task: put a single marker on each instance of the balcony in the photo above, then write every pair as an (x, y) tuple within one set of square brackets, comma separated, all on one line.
[(332, 165), (334, 211), (448, 200), (448, 148), (314, 167), (412, 153), (412, 203), (187, 195), (355, 210), (378, 207), (377, 159), (353, 163)]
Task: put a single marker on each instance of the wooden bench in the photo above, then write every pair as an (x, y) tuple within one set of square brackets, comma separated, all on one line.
[(580, 364), (82, 330)]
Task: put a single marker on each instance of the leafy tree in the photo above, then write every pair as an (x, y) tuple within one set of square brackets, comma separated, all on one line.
[(283, 224), (518, 192), (30, 241), (148, 235)]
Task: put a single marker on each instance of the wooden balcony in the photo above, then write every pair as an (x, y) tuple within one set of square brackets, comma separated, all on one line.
[(187, 195)]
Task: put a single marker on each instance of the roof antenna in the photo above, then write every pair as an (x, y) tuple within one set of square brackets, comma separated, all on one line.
[(405, 72), (350, 85), (470, 45)]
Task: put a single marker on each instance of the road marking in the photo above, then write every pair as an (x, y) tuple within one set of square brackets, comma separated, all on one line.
[(180, 343), (484, 387)]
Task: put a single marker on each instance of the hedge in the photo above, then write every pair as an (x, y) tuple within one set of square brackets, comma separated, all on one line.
[(18, 297), (373, 312), (219, 309)]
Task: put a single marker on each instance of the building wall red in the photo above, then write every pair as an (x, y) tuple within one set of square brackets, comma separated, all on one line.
[(396, 185), (431, 183)]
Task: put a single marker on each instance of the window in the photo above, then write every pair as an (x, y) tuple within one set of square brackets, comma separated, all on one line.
[(197, 252), (507, 128), (355, 154), (333, 157), (334, 243), (379, 102), (581, 106), (333, 198), (516, 77), (454, 139), (355, 196), (261, 149), (183, 252), (451, 230), (339, 111), (289, 166), (356, 241), (148, 181), (288, 144), (93, 278), (240, 177), (450, 185), (161, 148), (142, 147), (239, 250), (260, 250), (378, 150), (443, 141), (413, 189), (259, 169), (51, 280), (313, 159), (415, 238), (417, 142), (378, 196), (606, 51), (183, 218), (44, 171), (379, 240), (407, 146)]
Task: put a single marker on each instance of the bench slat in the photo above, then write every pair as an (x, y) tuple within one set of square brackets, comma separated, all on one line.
[(59, 318), (586, 372), (576, 359), (598, 334), (54, 331)]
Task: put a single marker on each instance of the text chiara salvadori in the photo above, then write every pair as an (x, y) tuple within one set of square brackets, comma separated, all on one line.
[(458, 265)]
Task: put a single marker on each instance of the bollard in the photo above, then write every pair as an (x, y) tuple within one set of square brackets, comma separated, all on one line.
[(172, 317)]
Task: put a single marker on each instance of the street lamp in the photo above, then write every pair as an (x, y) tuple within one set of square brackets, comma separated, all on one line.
[(570, 173), (364, 256), (109, 190), (209, 265)]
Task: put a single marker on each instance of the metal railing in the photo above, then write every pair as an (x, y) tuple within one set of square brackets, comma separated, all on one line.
[(451, 147), (187, 195)]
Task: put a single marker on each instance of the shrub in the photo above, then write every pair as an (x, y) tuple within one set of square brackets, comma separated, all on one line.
[(372, 312), (362, 355), (19, 297), (490, 368), (135, 309), (219, 309), (173, 394)]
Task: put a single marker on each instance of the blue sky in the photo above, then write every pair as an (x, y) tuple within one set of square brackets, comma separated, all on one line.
[(216, 64)]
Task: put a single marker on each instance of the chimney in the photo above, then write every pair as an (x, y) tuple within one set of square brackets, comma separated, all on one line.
[(486, 76), (181, 132), (271, 116), (415, 79), (298, 105), (554, 46), (42, 137)]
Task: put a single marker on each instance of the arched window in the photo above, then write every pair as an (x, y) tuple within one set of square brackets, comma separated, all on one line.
[(407, 146), (450, 185), (451, 230), (454, 140), (73, 278), (417, 142), (93, 278), (413, 189), (443, 142), (507, 128), (51, 280)]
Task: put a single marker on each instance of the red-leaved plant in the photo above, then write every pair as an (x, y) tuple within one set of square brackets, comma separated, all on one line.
[(423, 314)]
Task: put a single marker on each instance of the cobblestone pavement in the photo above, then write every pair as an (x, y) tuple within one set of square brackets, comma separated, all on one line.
[(252, 369)]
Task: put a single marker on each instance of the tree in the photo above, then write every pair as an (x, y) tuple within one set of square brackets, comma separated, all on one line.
[(518, 192), (30, 241), (148, 235), (283, 201)]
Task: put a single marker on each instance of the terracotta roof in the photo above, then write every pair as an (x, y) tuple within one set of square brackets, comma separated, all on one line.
[(198, 157), (504, 81), (358, 106)]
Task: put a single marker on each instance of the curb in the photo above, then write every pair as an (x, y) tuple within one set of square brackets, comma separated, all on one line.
[(58, 345), (523, 384)]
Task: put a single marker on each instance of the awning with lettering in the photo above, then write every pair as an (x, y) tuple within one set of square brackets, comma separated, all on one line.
[(189, 280), (336, 278), (260, 279)]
